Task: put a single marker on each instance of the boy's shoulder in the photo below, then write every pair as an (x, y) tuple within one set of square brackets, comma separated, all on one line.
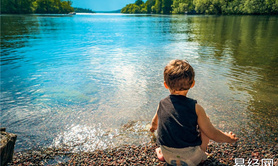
[(167, 98), (178, 98)]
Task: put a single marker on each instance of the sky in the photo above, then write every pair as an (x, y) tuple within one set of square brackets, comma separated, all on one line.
[(101, 5)]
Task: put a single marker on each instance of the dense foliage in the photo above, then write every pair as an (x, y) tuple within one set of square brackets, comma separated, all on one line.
[(36, 6), (203, 7), (81, 10)]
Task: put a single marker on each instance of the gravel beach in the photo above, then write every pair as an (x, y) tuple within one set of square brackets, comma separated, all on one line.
[(219, 154)]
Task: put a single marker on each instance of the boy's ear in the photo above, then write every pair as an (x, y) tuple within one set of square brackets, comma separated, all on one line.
[(166, 85), (192, 85)]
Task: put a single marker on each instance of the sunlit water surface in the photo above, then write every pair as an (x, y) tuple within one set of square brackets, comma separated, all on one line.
[(94, 81)]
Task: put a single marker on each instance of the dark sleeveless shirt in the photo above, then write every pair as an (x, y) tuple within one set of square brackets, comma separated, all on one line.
[(177, 122)]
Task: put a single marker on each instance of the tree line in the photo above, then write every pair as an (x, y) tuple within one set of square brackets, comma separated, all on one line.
[(82, 10), (36, 6), (203, 7)]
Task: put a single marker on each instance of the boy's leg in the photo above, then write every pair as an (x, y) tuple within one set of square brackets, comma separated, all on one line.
[(159, 154), (205, 141)]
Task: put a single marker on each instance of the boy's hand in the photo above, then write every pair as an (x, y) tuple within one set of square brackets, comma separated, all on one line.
[(153, 128), (232, 137)]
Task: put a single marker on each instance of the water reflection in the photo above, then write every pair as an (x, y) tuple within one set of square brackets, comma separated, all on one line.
[(82, 138), (246, 46), (15, 33)]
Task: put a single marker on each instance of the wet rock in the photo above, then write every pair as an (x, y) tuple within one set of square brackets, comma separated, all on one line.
[(6, 146)]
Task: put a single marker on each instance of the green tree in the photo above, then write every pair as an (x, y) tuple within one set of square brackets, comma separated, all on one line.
[(139, 2), (126, 9), (66, 7), (144, 8), (53, 6), (233, 7), (252, 7), (131, 8), (203, 6), (149, 4), (42, 6), (17, 6), (81, 10), (157, 7), (166, 6), (135, 9), (182, 6), (260, 7), (209, 6)]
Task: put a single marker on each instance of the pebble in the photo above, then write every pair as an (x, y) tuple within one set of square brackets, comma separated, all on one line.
[(219, 154)]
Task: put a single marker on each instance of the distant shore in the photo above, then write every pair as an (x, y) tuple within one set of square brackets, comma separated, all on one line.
[(219, 154)]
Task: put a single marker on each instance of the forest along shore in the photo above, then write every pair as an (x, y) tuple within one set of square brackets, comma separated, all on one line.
[(219, 154)]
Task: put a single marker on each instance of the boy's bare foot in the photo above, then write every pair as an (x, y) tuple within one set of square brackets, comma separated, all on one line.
[(208, 154), (159, 154)]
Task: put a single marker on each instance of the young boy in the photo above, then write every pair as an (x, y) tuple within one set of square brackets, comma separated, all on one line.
[(183, 127)]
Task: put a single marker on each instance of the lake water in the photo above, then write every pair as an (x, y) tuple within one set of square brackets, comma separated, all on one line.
[(94, 80)]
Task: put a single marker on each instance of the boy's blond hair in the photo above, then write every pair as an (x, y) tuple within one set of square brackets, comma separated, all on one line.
[(179, 75)]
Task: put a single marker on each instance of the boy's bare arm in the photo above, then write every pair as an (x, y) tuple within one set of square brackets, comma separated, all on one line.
[(213, 133), (154, 122)]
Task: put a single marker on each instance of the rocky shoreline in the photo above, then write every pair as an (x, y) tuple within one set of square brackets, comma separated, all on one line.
[(219, 154)]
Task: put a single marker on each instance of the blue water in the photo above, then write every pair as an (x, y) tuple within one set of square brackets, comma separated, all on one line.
[(94, 80)]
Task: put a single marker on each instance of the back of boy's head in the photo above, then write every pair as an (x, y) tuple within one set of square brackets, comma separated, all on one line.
[(179, 75)]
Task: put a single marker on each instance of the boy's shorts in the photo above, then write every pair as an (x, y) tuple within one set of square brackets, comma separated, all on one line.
[(189, 156)]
